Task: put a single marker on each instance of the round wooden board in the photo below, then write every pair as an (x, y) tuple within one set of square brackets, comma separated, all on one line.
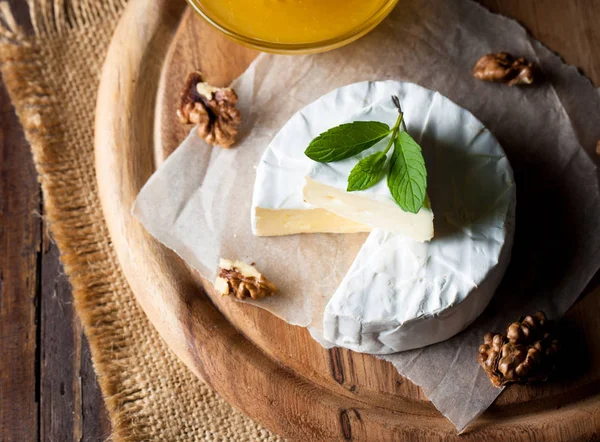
[(270, 370)]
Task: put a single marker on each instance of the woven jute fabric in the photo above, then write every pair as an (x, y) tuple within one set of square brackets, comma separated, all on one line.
[(52, 73)]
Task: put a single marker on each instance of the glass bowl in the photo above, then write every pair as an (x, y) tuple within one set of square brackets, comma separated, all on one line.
[(293, 47)]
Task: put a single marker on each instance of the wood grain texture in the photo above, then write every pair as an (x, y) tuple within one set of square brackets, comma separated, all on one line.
[(20, 240), (71, 404), (60, 353), (48, 389), (270, 370)]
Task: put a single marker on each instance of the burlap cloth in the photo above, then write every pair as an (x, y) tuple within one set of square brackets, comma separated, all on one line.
[(52, 76)]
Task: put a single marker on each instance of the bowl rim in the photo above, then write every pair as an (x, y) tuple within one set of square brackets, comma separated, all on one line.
[(298, 48)]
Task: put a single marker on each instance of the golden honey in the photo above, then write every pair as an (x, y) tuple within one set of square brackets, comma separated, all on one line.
[(292, 21)]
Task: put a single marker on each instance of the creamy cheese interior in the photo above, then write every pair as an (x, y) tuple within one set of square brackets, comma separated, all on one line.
[(382, 213), (271, 222)]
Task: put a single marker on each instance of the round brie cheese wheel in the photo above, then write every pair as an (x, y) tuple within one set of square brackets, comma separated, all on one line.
[(401, 294)]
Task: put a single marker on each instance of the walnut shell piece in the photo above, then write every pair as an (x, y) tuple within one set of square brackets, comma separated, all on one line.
[(242, 281), (528, 351), (212, 109), (505, 68)]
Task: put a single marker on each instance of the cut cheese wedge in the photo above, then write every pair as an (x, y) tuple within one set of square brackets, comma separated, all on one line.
[(278, 206), (326, 183), (294, 194)]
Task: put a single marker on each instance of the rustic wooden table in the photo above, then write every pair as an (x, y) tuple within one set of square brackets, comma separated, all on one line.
[(48, 389)]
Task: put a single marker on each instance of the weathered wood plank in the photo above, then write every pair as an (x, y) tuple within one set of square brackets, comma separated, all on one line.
[(20, 229), (60, 388), (46, 367), (71, 406), (95, 424)]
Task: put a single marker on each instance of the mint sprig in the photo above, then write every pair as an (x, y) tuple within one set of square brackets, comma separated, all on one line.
[(407, 179), (346, 140), (367, 172), (406, 174)]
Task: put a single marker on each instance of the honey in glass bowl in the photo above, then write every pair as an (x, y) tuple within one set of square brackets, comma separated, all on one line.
[(294, 26)]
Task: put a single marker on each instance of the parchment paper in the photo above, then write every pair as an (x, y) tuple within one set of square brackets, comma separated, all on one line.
[(198, 202)]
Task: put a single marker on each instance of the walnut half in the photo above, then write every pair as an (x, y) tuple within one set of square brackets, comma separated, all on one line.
[(526, 353), (503, 67), (242, 281), (212, 109)]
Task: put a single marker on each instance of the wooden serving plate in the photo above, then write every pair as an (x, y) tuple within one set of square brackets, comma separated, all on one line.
[(270, 370)]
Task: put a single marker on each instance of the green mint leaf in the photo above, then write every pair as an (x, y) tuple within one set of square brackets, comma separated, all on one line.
[(367, 172), (407, 179), (346, 140)]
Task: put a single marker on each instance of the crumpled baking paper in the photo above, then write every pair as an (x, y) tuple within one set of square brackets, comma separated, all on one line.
[(198, 202)]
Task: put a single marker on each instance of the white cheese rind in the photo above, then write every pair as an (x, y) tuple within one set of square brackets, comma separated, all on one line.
[(280, 173), (400, 294), (389, 334)]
